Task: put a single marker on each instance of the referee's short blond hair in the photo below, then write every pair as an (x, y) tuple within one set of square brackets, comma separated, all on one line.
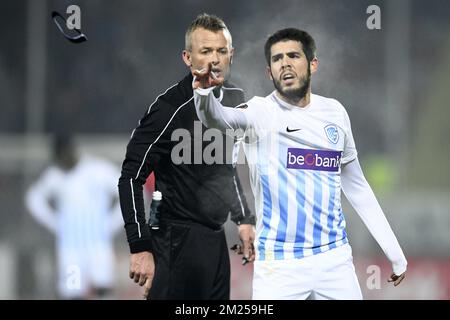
[(209, 22)]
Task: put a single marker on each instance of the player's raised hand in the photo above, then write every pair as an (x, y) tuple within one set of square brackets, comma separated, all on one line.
[(396, 279), (205, 78)]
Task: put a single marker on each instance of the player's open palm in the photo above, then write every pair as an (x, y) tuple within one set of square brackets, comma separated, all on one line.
[(142, 270)]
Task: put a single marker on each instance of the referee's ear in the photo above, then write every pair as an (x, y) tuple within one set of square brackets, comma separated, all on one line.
[(314, 64), (186, 55)]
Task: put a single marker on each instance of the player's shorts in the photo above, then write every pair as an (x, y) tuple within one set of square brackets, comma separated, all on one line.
[(84, 268), (324, 276)]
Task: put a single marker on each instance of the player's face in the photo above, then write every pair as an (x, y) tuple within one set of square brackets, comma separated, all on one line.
[(209, 47), (290, 70)]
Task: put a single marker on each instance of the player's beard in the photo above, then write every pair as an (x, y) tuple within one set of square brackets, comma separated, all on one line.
[(295, 94)]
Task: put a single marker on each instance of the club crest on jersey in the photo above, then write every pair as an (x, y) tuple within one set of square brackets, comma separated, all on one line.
[(332, 133)]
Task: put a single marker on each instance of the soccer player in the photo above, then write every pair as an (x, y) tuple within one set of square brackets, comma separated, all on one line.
[(187, 257), (301, 153), (76, 199)]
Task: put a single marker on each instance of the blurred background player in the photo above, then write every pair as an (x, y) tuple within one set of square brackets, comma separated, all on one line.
[(187, 257), (76, 199)]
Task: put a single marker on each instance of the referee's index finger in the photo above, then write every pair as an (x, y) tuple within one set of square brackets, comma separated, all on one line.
[(147, 286)]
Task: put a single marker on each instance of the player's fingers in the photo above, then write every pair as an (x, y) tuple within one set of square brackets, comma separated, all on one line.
[(209, 68), (136, 277), (131, 274), (400, 279), (200, 73), (216, 82), (393, 277)]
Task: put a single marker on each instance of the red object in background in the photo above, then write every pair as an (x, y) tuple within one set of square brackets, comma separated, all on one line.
[(149, 185)]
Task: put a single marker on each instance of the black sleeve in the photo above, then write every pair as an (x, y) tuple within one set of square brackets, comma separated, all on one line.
[(240, 212), (149, 142)]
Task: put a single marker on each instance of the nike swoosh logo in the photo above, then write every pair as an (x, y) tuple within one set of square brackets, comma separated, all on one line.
[(291, 130)]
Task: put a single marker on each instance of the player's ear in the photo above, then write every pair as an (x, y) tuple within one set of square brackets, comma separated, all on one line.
[(269, 73), (314, 64), (186, 55)]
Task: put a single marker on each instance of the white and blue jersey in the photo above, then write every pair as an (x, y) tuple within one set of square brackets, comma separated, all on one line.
[(295, 157)]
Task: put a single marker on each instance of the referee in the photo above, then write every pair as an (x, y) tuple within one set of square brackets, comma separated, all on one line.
[(187, 257)]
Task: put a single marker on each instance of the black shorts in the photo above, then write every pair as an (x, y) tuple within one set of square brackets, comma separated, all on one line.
[(191, 262)]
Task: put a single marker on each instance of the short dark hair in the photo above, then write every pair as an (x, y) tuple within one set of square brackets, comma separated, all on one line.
[(308, 43), (206, 21)]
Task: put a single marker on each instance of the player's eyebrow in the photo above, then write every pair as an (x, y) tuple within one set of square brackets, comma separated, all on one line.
[(278, 56)]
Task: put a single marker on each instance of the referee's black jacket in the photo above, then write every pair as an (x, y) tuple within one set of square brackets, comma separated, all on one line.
[(199, 193)]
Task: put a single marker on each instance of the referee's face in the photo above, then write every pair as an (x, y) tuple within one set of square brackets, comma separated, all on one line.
[(210, 47)]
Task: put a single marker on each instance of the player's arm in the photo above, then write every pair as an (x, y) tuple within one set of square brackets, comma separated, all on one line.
[(361, 197), (148, 144), (209, 110), (37, 201)]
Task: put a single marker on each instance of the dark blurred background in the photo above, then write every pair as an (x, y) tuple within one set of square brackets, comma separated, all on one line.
[(394, 82)]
